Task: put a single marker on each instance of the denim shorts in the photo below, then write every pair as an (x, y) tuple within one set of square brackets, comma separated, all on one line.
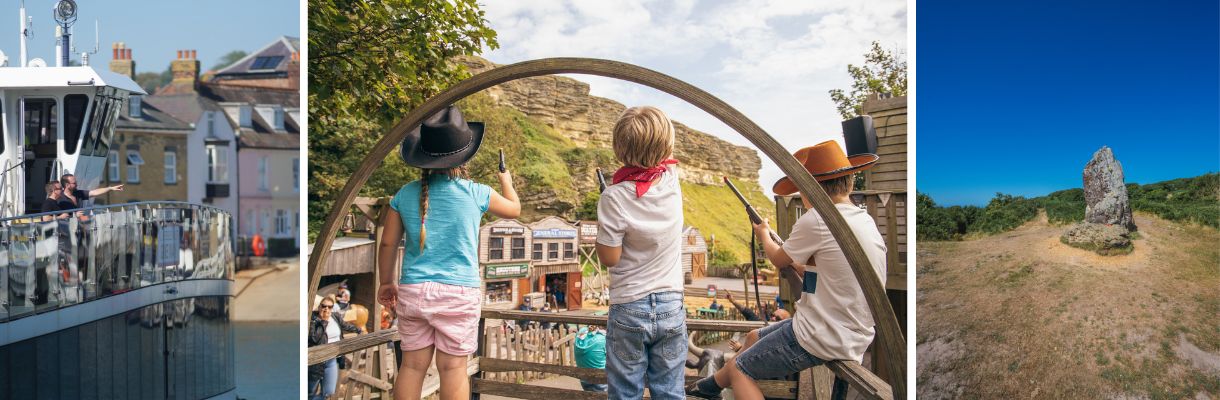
[(776, 354)]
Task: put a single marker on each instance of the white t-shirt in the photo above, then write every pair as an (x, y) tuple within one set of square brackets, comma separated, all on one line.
[(834, 322), (332, 330), (649, 229)]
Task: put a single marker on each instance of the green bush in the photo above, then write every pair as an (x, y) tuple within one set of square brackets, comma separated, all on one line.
[(1194, 199), (722, 257), (1064, 206), (1004, 212), (934, 222)]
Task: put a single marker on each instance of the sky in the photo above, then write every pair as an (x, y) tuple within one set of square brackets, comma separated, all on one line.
[(1015, 97), (775, 61), (154, 30)]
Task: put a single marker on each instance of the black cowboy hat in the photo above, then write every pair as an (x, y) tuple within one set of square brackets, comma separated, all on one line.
[(444, 140)]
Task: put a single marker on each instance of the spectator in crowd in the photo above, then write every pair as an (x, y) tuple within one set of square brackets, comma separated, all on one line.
[(591, 353), (746, 312), (326, 328), (343, 300)]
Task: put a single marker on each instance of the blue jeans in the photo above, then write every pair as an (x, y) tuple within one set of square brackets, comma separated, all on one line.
[(328, 381), (647, 343)]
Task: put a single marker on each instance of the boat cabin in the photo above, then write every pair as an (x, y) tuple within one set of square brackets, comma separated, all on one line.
[(55, 121)]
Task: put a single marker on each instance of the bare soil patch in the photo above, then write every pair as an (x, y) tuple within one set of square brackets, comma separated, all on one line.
[(1021, 315)]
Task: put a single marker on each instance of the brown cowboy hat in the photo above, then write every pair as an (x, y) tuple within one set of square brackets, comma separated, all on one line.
[(825, 161)]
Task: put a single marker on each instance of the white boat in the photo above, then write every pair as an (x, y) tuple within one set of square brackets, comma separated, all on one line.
[(107, 301)]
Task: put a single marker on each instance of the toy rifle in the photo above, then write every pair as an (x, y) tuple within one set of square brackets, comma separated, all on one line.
[(503, 169), (788, 271), (754, 217), (601, 181)]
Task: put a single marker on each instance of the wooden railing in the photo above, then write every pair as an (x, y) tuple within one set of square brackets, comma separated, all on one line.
[(867, 384)]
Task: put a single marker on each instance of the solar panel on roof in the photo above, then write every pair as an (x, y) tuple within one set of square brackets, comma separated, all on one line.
[(267, 62)]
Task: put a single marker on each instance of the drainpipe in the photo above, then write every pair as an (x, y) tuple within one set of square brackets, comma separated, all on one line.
[(237, 180)]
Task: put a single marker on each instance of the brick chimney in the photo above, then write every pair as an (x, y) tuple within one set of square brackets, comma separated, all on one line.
[(121, 61), (294, 71), (186, 71)]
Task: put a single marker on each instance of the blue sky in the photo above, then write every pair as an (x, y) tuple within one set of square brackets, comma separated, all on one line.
[(1015, 97), (155, 30)]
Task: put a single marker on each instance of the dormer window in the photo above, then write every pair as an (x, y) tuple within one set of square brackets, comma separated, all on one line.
[(135, 107), (244, 116), (279, 119)]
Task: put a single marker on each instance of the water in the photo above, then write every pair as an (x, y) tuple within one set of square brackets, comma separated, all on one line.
[(268, 360)]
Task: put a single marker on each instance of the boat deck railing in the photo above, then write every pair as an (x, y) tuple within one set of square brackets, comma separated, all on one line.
[(867, 384), (49, 261)]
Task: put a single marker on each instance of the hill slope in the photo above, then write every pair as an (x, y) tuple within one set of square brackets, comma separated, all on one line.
[(555, 175)]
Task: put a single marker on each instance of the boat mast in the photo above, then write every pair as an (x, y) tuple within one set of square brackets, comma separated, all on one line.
[(23, 27), (65, 15)]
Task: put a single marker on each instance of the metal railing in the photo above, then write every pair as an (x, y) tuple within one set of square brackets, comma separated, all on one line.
[(53, 260)]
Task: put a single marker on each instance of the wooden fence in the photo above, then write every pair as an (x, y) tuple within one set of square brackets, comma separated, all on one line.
[(493, 375), (537, 345)]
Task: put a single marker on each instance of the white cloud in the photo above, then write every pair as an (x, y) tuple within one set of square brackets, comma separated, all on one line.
[(773, 60)]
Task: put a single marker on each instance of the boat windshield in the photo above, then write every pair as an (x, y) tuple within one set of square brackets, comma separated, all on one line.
[(75, 106), (3, 136)]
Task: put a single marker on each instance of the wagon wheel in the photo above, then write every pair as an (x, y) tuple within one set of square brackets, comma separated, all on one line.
[(874, 293)]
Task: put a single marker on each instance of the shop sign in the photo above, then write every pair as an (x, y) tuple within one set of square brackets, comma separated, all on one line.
[(588, 231), (507, 230), (507, 271), (555, 233)]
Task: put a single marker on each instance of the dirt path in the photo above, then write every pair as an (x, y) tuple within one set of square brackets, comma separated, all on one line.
[(1020, 315)]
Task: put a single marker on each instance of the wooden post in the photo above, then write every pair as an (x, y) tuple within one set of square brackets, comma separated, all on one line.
[(478, 353)]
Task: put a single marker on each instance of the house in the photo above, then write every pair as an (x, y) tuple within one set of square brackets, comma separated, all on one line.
[(148, 151), (244, 121), (504, 262), (694, 254), (553, 253)]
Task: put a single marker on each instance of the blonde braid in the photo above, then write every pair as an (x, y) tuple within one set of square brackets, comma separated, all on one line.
[(423, 208)]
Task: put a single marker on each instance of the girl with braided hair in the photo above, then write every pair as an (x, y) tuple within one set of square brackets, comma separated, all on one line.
[(436, 295)]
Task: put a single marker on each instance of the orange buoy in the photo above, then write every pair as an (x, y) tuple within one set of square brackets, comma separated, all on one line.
[(258, 245)]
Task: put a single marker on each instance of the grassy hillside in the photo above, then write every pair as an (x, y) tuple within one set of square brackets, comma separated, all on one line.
[(555, 177), (1195, 200), (715, 210)]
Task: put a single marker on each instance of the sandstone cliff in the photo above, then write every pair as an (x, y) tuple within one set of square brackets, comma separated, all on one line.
[(565, 104)]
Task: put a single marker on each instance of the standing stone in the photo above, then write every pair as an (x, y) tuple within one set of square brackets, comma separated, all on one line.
[(1105, 193)]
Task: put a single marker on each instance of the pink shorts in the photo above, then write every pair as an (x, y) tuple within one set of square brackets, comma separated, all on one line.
[(433, 313)]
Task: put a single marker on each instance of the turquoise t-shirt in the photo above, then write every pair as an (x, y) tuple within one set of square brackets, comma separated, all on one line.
[(451, 249), (591, 350)]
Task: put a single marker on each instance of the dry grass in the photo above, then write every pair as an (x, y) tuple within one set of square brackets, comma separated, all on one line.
[(1021, 315)]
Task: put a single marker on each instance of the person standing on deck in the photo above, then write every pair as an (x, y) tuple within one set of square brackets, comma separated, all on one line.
[(73, 196)]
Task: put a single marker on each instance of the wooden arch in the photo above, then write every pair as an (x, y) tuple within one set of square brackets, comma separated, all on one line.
[(888, 329)]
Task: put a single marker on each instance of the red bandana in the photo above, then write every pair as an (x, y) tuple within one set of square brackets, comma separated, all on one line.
[(642, 177)]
